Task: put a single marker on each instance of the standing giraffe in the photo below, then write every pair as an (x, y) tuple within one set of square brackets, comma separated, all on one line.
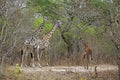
[(30, 46), (44, 43), (38, 44), (27, 49), (87, 55)]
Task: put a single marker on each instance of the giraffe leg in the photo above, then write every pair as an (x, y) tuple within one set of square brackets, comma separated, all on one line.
[(87, 61), (46, 56), (84, 57), (33, 60), (91, 57), (26, 56), (23, 56), (38, 57)]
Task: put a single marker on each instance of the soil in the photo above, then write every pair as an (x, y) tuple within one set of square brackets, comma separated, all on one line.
[(103, 72)]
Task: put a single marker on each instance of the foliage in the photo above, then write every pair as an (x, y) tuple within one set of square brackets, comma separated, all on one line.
[(103, 6), (48, 27), (99, 3), (91, 19), (37, 22), (45, 7), (17, 70), (2, 21), (91, 30)]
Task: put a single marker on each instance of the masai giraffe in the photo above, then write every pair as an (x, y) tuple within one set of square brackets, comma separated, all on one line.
[(44, 43), (87, 55), (30, 46)]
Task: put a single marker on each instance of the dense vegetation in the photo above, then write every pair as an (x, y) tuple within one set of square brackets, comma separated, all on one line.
[(96, 21)]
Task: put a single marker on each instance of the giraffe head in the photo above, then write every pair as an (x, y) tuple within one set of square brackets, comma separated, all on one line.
[(57, 24)]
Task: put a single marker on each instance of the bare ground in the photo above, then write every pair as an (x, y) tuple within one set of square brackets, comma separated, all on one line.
[(104, 72), (81, 69)]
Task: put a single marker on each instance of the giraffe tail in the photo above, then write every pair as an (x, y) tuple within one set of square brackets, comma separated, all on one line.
[(21, 52)]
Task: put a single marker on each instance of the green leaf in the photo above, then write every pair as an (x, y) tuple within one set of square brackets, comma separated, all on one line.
[(99, 3), (37, 22), (91, 30), (48, 27), (45, 7)]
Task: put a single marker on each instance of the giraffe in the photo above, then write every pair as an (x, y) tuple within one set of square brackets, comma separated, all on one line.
[(44, 43), (30, 45), (38, 44), (27, 49), (87, 55)]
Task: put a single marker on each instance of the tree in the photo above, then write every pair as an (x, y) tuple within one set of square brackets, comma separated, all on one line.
[(11, 18), (110, 14)]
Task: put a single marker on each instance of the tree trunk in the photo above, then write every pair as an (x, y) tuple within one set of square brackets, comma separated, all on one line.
[(70, 50), (119, 71), (118, 62), (68, 43)]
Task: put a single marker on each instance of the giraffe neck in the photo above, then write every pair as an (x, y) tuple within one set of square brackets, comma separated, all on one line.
[(40, 29), (32, 40), (86, 46), (48, 36)]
